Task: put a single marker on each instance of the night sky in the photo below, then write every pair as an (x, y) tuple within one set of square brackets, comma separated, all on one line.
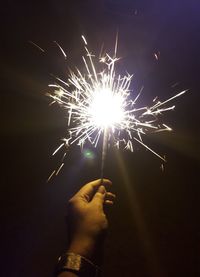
[(154, 224)]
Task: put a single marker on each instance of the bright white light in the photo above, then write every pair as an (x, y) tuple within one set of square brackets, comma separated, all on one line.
[(106, 109)]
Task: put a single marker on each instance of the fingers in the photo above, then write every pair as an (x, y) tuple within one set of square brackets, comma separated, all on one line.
[(88, 191), (99, 196), (102, 197), (109, 198), (108, 202)]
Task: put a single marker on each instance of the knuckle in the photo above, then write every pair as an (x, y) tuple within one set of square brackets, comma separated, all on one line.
[(99, 195)]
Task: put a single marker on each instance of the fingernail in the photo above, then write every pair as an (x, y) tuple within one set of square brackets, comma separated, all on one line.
[(109, 202), (107, 181), (102, 189)]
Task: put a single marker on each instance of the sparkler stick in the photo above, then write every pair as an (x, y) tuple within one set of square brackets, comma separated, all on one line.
[(104, 152), (100, 102)]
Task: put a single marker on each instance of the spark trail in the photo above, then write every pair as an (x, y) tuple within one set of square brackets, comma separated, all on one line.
[(97, 100)]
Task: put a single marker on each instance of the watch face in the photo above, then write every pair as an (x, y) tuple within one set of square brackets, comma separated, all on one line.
[(77, 264), (73, 262)]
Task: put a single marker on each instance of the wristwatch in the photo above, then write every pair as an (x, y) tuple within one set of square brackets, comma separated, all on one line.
[(77, 264)]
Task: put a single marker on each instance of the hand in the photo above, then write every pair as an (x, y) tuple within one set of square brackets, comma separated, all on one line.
[(87, 220)]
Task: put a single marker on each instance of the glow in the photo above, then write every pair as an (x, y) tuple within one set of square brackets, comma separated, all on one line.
[(106, 109)]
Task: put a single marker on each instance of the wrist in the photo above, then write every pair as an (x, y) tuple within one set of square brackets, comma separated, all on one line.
[(83, 246), (89, 248)]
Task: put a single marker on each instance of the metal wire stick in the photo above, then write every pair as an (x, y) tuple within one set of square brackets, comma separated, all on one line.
[(104, 152)]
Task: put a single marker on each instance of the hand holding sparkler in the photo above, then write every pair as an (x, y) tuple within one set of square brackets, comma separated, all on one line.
[(87, 221)]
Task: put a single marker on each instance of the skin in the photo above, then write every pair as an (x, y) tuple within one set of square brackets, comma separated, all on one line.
[(87, 221)]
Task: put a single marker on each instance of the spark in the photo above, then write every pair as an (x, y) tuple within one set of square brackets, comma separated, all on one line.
[(59, 169), (162, 167), (148, 148), (157, 55), (85, 41), (57, 149), (51, 175), (37, 46), (174, 85), (98, 101), (63, 52)]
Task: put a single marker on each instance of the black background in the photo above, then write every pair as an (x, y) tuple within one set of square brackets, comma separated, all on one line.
[(154, 224)]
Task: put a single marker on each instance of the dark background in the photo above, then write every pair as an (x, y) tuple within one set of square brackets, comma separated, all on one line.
[(154, 224)]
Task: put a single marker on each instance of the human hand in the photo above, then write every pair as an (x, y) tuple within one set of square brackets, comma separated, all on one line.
[(87, 221)]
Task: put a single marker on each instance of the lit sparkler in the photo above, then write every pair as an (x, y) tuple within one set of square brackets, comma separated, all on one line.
[(99, 104)]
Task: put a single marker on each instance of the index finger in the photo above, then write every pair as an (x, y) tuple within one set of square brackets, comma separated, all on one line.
[(87, 191)]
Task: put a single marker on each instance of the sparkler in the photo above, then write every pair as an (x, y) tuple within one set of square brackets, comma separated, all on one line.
[(99, 104)]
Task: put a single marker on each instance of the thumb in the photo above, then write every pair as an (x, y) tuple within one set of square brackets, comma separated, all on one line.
[(99, 196)]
